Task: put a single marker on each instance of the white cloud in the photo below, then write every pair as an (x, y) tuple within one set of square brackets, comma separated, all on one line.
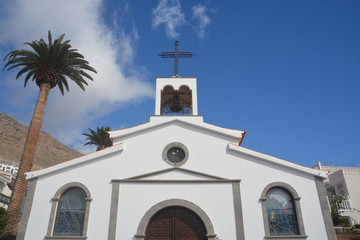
[(203, 20), (110, 52), (168, 12)]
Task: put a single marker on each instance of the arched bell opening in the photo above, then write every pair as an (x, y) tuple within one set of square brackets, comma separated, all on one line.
[(176, 102)]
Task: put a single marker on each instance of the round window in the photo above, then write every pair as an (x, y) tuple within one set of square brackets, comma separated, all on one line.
[(175, 154)]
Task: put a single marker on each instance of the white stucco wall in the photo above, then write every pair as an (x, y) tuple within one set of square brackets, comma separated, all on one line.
[(208, 153), (215, 199)]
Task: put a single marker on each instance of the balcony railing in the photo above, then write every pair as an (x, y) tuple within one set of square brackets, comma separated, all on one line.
[(176, 110), (346, 205), (343, 203)]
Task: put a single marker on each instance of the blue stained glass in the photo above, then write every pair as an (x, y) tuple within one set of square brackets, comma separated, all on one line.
[(71, 213), (281, 213), (175, 154)]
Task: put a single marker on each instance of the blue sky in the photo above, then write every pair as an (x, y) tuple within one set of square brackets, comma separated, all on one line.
[(287, 72)]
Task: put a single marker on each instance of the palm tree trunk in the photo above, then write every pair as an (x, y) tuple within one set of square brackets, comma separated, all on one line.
[(27, 159)]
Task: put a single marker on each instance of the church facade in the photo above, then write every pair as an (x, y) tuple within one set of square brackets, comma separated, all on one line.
[(176, 178)]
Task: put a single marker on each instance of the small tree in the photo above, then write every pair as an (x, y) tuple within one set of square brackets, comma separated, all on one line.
[(99, 138), (337, 205)]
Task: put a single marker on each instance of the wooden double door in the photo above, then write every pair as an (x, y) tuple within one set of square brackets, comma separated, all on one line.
[(175, 223)]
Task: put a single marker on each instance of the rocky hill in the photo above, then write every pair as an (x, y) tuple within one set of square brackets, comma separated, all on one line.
[(49, 151)]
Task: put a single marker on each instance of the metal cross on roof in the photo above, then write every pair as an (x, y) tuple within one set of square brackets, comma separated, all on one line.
[(176, 55)]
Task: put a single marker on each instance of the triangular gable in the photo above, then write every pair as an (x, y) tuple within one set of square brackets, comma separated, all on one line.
[(174, 174), (275, 160), (77, 161), (194, 121)]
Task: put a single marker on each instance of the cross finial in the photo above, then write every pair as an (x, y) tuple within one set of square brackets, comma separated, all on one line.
[(176, 55)]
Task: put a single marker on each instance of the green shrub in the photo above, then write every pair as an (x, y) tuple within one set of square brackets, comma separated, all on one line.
[(2, 219), (356, 227), (8, 236)]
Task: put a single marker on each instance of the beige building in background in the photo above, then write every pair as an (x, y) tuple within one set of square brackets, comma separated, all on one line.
[(7, 175), (345, 181)]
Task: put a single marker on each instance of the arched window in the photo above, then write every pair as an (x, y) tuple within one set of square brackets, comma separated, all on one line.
[(71, 213), (281, 211)]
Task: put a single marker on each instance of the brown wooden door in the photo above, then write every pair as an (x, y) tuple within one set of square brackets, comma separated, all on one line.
[(175, 223)]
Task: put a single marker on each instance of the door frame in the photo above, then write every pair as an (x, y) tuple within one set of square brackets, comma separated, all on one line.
[(140, 233)]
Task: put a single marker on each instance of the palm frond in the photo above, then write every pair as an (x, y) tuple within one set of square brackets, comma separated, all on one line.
[(23, 70), (28, 76), (62, 80), (61, 87), (100, 137), (49, 38), (54, 62)]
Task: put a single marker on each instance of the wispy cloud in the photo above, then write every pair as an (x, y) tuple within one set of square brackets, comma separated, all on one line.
[(202, 19), (168, 12), (109, 51)]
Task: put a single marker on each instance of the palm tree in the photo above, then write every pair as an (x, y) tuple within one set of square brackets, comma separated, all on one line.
[(99, 138), (48, 64)]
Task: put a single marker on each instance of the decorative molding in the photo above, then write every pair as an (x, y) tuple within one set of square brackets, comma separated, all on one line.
[(287, 237), (176, 181), (72, 185), (151, 174), (66, 237), (282, 185)]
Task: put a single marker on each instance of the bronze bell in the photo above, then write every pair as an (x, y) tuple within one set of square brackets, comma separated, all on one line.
[(176, 106)]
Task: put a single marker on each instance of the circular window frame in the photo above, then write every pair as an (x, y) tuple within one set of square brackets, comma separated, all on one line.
[(172, 145)]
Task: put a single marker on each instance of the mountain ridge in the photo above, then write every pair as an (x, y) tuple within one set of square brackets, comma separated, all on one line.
[(49, 150)]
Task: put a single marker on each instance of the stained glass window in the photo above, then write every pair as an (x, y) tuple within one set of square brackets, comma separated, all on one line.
[(281, 213), (71, 213), (175, 154)]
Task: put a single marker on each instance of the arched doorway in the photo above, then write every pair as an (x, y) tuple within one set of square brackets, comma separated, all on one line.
[(175, 223)]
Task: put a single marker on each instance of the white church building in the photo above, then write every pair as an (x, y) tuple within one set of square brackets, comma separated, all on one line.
[(176, 178)]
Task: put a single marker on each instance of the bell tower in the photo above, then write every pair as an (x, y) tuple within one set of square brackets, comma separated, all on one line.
[(176, 95)]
